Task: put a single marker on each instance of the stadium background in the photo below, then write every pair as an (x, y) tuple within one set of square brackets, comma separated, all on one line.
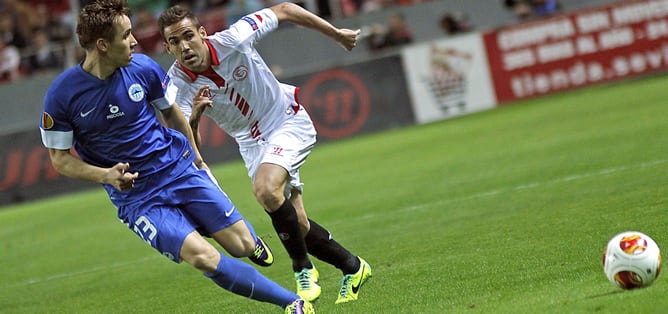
[(437, 77)]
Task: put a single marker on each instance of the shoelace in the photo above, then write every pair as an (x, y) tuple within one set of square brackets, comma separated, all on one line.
[(295, 307), (258, 251), (303, 278), (345, 283)]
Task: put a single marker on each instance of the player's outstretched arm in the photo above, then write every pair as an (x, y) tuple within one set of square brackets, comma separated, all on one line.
[(70, 166), (288, 11)]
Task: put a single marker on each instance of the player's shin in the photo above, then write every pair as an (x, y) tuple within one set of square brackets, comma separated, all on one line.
[(286, 224), (320, 244), (242, 279)]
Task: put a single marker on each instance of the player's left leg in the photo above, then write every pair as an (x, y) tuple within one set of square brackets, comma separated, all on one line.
[(237, 240), (319, 243), (261, 254), (214, 214)]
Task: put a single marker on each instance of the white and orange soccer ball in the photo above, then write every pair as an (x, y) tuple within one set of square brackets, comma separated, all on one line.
[(632, 260)]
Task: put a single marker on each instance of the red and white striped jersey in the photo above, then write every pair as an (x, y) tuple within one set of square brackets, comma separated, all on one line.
[(249, 103)]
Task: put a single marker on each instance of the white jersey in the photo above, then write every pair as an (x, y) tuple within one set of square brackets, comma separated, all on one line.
[(249, 103)]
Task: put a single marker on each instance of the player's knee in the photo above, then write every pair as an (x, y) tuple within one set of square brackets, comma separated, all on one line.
[(304, 226), (269, 196)]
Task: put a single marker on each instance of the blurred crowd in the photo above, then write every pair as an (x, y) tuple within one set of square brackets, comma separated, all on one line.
[(38, 35), (34, 35), (531, 9)]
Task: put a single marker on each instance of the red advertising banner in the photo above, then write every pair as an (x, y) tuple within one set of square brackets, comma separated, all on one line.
[(573, 50), (343, 102)]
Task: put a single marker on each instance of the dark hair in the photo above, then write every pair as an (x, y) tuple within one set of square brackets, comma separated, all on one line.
[(174, 15), (96, 20)]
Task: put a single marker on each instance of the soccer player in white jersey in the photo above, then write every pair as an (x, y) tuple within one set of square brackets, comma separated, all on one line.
[(103, 108), (224, 77)]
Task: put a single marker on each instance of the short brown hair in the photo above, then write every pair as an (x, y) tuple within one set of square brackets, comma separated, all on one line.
[(174, 15), (96, 20)]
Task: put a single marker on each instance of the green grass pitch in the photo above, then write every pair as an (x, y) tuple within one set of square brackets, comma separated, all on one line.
[(505, 211)]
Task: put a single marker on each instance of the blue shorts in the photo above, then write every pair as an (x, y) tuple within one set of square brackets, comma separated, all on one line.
[(175, 205)]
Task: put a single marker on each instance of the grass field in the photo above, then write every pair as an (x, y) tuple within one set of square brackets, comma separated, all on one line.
[(505, 211)]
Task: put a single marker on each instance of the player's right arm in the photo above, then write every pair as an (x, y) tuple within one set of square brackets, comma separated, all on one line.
[(288, 11), (70, 166)]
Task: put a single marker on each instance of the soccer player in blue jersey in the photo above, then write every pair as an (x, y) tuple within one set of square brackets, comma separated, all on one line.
[(104, 108), (223, 76)]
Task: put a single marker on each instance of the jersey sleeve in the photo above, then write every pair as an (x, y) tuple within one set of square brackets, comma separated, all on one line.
[(248, 30), (178, 92), (55, 128), (155, 82)]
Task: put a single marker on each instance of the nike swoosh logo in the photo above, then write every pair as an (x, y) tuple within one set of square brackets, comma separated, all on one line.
[(84, 114), (359, 283), (229, 212)]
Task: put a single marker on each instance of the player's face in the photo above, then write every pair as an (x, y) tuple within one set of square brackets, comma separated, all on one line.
[(186, 42), (120, 49)]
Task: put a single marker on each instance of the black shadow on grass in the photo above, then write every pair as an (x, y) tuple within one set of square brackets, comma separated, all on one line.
[(604, 294)]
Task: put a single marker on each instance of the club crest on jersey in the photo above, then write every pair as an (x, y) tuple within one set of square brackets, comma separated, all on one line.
[(250, 21), (47, 121), (136, 92), (240, 73)]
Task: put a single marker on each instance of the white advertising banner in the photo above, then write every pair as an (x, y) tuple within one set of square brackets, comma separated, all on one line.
[(448, 78)]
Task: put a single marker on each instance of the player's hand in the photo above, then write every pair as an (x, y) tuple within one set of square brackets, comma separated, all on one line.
[(347, 38), (119, 178), (201, 101)]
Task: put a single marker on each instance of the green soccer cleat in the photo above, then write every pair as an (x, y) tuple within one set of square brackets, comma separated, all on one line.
[(262, 255), (351, 283), (307, 284), (299, 306)]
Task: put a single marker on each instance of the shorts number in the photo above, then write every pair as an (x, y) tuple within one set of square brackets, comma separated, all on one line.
[(145, 229)]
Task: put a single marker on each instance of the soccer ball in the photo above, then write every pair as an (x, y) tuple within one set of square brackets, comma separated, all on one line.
[(632, 260)]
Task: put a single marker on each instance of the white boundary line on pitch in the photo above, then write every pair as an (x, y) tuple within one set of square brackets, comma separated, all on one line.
[(77, 273), (494, 192), (531, 185)]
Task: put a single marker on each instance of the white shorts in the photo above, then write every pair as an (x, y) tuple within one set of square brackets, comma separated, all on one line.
[(287, 147)]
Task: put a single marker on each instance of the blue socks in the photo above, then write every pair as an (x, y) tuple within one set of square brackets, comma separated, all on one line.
[(242, 279), (250, 228)]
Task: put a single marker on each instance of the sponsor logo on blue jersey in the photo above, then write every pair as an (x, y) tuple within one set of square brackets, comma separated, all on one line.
[(250, 21), (114, 111)]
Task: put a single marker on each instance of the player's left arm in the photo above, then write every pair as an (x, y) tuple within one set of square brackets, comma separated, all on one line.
[(288, 11), (175, 119), (172, 116)]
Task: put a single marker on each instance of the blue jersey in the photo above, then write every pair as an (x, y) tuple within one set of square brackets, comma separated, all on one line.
[(113, 120)]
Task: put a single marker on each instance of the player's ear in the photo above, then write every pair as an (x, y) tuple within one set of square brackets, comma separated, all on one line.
[(101, 44), (164, 44), (202, 31)]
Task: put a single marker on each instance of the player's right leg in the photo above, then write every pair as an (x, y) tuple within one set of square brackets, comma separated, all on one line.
[(269, 187), (172, 233), (236, 276)]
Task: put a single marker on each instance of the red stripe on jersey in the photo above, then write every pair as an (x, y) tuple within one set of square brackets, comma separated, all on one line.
[(259, 17), (297, 95), (214, 55), (214, 61)]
